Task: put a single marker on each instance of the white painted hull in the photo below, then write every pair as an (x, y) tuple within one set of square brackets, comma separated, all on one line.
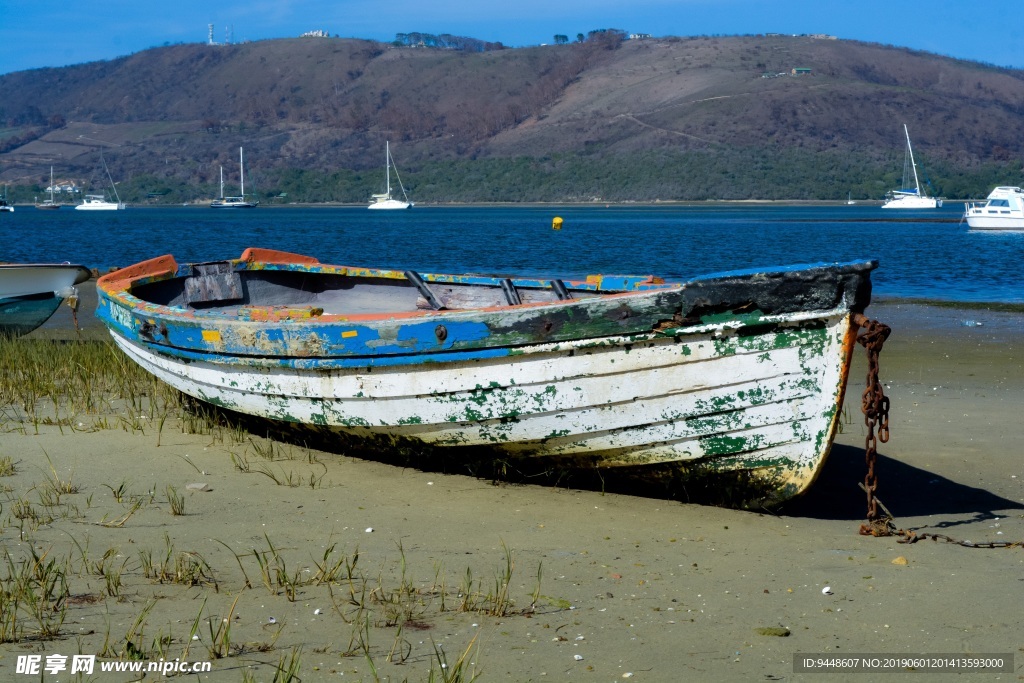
[(612, 402), (387, 204), (100, 206), (912, 202), (31, 293), (1009, 223), (41, 278)]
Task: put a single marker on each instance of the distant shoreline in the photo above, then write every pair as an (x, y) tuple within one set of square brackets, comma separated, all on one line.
[(535, 204)]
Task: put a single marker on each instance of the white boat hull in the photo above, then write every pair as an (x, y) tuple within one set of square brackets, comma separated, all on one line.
[(610, 402), (1002, 210), (1008, 223), (912, 202), (388, 204), (30, 294), (233, 205), (38, 278), (100, 206)]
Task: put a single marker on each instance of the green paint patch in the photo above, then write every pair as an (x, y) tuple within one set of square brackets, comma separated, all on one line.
[(730, 317), (724, 444)]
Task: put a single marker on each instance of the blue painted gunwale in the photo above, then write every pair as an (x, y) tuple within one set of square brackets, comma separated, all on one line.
[(634, 308)]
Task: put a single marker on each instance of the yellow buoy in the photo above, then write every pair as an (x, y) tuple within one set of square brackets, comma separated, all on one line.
[(556, 223)]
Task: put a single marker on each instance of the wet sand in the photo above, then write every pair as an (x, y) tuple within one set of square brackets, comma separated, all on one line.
[(602, 586)]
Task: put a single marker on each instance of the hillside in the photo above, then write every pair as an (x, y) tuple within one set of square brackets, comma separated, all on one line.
[(644, 120)]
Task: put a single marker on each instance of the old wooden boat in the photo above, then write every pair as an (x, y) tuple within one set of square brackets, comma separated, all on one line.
[(740, 371), (31, 292)]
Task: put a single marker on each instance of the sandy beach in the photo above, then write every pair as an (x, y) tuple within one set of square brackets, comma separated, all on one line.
[(333, 567)]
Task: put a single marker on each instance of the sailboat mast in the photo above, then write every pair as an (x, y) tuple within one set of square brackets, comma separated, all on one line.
[(387, 165), (913, 166), (222, 182), (241, 170), (112, 185), (51, 184)]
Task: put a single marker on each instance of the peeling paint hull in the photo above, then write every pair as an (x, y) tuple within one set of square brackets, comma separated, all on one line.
[(735, 372)]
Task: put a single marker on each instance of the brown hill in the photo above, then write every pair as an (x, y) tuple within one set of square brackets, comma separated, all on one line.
[(325, 105)]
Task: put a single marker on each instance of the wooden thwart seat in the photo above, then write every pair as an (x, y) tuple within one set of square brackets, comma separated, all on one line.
[(444, 297)]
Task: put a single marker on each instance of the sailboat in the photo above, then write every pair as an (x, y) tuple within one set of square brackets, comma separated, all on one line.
[(49, 203), (910, 197), (98, 202), (238, 202), (384, 201), (4, 206)]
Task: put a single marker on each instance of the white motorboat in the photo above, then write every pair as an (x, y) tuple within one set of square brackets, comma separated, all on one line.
[(1002, 210), (910, 197), (385, 200)]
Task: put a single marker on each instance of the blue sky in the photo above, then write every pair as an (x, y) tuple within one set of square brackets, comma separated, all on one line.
[(36, 33)]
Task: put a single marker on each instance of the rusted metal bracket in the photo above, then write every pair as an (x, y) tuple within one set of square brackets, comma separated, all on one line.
[(560, 290), (511, 295), (425, 291)]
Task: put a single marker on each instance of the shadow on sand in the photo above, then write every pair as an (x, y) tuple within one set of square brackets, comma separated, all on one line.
[(905, 490)]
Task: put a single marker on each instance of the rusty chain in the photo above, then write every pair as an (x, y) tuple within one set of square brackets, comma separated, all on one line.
[(72, 302), (908, 536), (875, 405)]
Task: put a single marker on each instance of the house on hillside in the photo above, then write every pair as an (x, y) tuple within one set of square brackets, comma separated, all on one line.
[(800, 71)]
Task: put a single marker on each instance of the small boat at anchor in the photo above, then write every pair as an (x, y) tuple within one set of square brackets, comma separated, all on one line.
[(49, 204), (385, 201), (31, 292), (910, 196), (1003, 209), (239, 201), (742, 371), (99, 202)]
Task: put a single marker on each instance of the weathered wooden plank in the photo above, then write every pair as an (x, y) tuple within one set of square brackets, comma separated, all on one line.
[(627, 407), (213, 282)]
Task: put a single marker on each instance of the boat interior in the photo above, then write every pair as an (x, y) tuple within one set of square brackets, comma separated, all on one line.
[(222, 286)]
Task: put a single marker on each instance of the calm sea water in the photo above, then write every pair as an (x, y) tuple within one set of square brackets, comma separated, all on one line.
[(922, 254)]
